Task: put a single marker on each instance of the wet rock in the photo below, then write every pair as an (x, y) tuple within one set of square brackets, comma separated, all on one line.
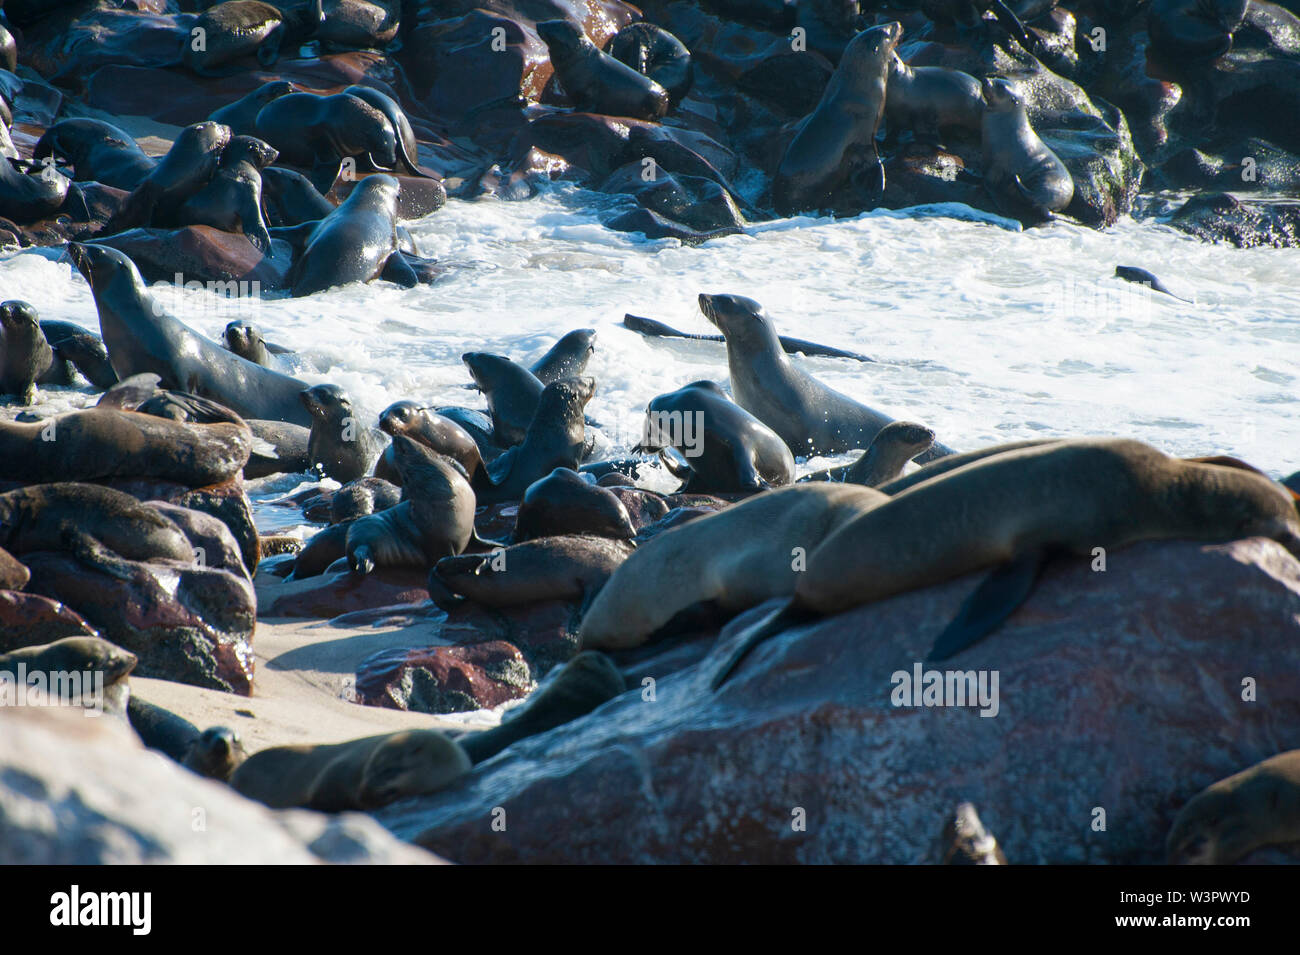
[(200, 253), (214, 545), (1242, 222), (416, 198), (443, 679), (187, 623), (28, 619), (339, 591), (75, 791), (1139, 668)]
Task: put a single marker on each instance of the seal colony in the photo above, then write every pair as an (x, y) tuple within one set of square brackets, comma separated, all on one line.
[(521, 517)]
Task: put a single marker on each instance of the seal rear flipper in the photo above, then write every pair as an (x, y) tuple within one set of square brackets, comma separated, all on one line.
[(789, 615), (324, 173), (398, 271), (1043, 213), (94, 554), (997, 597), (75, 205)]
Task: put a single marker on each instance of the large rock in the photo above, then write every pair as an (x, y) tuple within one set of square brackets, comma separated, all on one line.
[(1120, 691), (443, 679), (27, 620), (77, 791)]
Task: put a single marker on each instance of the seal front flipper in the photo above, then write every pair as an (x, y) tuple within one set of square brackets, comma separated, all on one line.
[(398, 271), (783, 618), (997, 597)]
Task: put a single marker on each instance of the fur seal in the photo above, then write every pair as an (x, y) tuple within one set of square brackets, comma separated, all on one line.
[(361, 774), (838, 140), (232, 199), (290, 199), (100, 443), (1194, 31), (89, 656), (892, 447), (791, 346), (340, 445), (355, 243), (406, 149), (246, 341), (81, 349), (27, 356), (512, 394), (596, 82), (368, 495), (30, 197), (88, 520), (239, 28), (1011, 512), (1018, 166), (546, 568), (567, 358), (241, 115), (556, 438), (731, 560), (729, 450), (434, 431), (99, 152), (186, 169), (214, 753), (1225, 822), (656, 53), (926, 99), (435, 518), (569, 692), (564, 502), (1131, 273), (141, 337), (810, 417), (319, 132)]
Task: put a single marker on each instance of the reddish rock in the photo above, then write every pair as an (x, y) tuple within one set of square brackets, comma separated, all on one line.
[(443, 679), (340, 591), (226, 501), (30, 619), (187, 623), (200, 253), (1119, 690)]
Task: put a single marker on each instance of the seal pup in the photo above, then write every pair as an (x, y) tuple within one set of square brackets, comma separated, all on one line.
[(27, 356), (594, 81), (567, 358), (434, 431), (570, 567), (838, 139), (98, 151), (214, 753), (435, 518), (1013, 511), (810, 417), (893, 446), (241, 115), (367, 495), (81, 349), (91, 658), (290, 199), (556, 438), (186, 169), (726, 449), (141, 337), (1018, 166), (570, 691), (319, 132), (566, 502), (340, 445), (357, 775), (30, 197), (246, 341), (730, 561), (100, 443), (926, 99), (512, 394), (356, 242), (1225, 822), (656, 53), (232, 199)]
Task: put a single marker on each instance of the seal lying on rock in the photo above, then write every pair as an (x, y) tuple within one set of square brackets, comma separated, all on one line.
[(360, 774), (594, 81), (1256, 807), (1011, 512), (892, 447)]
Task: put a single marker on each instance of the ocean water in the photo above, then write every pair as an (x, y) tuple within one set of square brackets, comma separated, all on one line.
[(982, 331)]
